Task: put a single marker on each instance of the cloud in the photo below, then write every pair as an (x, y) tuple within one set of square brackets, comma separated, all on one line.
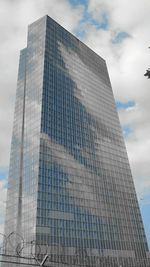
[(124, 15)]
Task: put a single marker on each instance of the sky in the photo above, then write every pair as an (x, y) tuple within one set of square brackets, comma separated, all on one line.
[(116, 30)]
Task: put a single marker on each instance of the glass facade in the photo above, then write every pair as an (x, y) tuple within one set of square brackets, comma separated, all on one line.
[(70, 183)]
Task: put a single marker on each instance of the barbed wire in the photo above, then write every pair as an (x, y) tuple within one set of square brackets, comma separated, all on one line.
[(14, 246)]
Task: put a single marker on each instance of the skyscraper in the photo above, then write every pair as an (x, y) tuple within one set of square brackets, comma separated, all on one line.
[(70, 184)]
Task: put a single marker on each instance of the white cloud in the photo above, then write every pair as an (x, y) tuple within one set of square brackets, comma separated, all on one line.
[(124, 15)]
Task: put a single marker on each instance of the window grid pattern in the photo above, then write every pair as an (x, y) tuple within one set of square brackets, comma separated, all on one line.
[(70, 183)]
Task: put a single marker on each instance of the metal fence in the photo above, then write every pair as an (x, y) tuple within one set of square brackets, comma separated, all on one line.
[(16, 251)]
